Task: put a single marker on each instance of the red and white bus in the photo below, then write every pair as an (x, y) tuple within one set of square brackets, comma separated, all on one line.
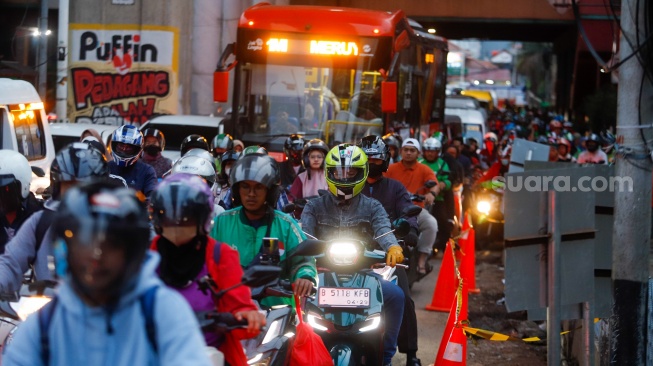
[(333, 73)]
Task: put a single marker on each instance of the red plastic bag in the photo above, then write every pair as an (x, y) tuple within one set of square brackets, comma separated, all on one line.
[(308, 348)]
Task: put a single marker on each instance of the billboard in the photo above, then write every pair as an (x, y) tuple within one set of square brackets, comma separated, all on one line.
[(122, 73)]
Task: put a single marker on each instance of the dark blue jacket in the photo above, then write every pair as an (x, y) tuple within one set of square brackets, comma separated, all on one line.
[(393, 196), (139, 176)]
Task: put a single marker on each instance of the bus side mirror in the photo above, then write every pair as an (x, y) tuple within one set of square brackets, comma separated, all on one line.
[(388, 97), (221, 86)]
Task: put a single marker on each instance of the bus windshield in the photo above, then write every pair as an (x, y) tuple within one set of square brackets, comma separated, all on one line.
[(336, 104)]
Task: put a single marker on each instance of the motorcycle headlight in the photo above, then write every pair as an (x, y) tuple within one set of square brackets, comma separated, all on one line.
[(483, 207), (312, 320), (343, 253), (27, 305), (371, 323), (273, 331)]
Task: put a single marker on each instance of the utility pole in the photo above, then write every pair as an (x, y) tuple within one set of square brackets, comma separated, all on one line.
[(62, 62), (632, 224), (42, 65)]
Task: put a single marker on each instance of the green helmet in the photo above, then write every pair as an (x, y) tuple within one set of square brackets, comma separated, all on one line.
[(346, 171), (254, 149)]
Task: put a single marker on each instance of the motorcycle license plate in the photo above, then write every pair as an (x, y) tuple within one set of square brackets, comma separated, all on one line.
[(329, 297)]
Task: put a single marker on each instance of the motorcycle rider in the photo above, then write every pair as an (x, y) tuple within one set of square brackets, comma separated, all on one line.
[(394, 144), (182, 213), (431, 157), (153, 144), (292, 166), (394, 198), (77, 162), (17, 203), (255, 187), (193, 141), (227, 160), (312, 179), (126, 149), (593, 154), (203, 168), (346, 213), (414, 175), (221, 143), (111, 308)]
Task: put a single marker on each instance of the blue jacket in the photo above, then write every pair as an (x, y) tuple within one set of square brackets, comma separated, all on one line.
[(393, 196), (78, 333), (139, 176), (20, 252)]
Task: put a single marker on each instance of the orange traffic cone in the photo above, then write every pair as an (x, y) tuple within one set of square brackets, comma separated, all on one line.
[(468, 262), (453, 347), (445, 287)]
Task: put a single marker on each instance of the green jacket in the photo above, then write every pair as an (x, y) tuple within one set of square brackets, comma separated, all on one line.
[(441, 170), (232, 227)]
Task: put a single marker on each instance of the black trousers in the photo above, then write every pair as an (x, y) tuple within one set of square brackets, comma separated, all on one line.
[(439, 211), (407, 341)]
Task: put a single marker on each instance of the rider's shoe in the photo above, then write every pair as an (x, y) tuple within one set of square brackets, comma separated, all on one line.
[(413, 361)]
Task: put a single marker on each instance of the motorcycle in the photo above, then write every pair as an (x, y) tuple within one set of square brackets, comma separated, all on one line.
[(272, 346), (488, 214), (16, 307), (410, 252), (221, 323), (348, 309)]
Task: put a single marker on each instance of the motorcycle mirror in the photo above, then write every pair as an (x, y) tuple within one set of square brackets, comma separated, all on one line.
[(430, 184), (411, 211), (39, 288), (289, 208), (39, 172), (260, 275), (402, 228), (309, 248)]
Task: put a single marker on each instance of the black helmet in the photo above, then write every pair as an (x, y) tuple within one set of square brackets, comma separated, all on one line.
[(157, 134), (193, 142), (259, 168), (77, 162), (182, 200), (222, 141), (392, 139), (375, 148), (593, 142), (314, 144), (223, 177), (98, 215), (293, 147)]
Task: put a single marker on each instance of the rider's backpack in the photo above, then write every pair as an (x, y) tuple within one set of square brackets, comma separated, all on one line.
[(147, 308)]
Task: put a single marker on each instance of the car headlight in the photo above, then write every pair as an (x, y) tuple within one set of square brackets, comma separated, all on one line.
[(311, 319), (27, 305), (343, 253), (483, 207), (372, 322)]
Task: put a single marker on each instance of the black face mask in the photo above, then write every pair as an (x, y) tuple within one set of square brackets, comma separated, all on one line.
[(152, 150), (375, 171), (592, 147), (10, 199), (181, 264)]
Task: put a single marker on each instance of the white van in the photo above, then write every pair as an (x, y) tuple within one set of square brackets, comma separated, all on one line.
[(66, 133), (468, 123), (25, 128)]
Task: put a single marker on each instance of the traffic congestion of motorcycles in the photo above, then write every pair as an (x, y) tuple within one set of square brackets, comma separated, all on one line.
[(308, 228)]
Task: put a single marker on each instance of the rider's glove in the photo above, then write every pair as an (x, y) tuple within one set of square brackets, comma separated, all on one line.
[(395, 255), (411, 238)]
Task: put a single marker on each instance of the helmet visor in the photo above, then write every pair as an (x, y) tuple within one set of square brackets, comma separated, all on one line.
[(345, 175), (125, 150)]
